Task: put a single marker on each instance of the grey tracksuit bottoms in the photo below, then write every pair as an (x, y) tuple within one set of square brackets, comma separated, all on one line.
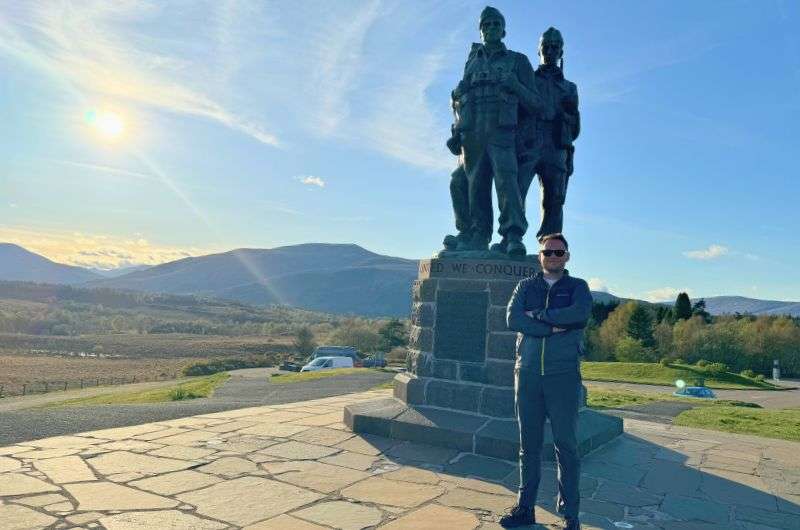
[(556, 397)]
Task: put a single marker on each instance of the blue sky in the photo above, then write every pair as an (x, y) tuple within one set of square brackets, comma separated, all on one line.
[(261, 124)]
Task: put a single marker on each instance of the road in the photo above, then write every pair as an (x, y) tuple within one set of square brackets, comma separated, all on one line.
[(246, 388)]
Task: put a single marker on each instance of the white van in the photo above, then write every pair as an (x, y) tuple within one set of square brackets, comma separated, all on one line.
[(328, 363)]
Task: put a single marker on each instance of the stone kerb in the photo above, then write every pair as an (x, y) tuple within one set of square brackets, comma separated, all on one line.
[(461, 354)]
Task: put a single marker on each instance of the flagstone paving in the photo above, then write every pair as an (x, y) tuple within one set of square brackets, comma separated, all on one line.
[(295, 466)]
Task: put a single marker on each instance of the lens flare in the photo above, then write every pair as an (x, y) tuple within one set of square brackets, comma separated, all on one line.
[(680, 383), (108, 125)]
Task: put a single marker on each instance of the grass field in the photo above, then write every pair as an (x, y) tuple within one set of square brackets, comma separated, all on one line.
[(602, 398), (783, 424), (16, 370), (146, 345), (195, 388), (655, 374), (714, 414), (620, 399)]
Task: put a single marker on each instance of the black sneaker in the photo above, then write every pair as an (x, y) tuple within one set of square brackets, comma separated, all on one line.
[(518, 516), (572, 523)]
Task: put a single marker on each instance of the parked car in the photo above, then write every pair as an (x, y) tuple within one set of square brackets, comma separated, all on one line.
[(374, 361), (327, 363), (695, 392), (338, 351), (289, 366)]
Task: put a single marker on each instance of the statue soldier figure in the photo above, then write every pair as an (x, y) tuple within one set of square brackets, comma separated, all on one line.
[(545, 141), (498, 86)]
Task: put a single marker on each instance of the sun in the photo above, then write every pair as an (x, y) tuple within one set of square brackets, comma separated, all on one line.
[(108, 125)]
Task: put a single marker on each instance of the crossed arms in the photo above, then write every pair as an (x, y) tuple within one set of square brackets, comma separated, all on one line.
[(545, 322)]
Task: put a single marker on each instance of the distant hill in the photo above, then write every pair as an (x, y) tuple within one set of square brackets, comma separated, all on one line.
[(322, 277), (114, 273), (605, 297), (18, 264), (722, 305), (333, 278)]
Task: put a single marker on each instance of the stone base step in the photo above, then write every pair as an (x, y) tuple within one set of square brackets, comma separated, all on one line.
[(497, 438)]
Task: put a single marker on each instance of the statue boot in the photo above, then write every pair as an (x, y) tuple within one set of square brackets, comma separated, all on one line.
[(457, 242), (511, 244), (478, 241), (502, 246)]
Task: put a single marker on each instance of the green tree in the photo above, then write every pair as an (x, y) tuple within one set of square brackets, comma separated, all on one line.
[(662, 333), (632, 350), (601, 311), (304, 341), (640, 325), (613, 329), (393, 334), (663, 313), (683, 307), (699, 309)]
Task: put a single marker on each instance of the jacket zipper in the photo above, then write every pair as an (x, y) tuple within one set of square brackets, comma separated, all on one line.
[(546, 305)]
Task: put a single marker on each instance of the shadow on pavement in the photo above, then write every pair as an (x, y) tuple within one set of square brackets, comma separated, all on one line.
[(681, 483)]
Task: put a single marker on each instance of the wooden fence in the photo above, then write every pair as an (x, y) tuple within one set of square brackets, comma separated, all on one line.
[(43, 387)]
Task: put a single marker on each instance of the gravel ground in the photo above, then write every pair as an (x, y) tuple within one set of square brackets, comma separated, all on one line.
[(245, 388)]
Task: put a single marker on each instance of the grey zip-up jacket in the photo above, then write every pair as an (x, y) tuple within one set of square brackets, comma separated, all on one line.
[(567, 304)]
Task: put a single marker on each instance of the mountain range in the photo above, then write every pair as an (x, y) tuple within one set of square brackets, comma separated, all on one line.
[(19, 264), (334, 278)]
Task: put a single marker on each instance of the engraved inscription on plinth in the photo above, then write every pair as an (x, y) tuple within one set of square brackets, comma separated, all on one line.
[(461, 325)]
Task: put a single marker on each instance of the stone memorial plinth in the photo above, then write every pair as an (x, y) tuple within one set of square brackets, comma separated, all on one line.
[(458, 390)]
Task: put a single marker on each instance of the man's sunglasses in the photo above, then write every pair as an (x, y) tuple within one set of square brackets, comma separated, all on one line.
[(547, 253)]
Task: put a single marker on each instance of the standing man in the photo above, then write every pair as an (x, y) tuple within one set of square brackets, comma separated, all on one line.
[(487, 102), (549, 312)]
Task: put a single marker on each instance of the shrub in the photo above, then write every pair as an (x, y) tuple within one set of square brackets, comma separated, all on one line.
[(678, 360), (632, 350), (180, 393), (702, 363), (748, 373), (664, 361), (759, 377), (397, 355), (715, 368)]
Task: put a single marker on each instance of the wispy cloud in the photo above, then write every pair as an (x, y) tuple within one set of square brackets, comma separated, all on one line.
[(311, 180), (339, 58), (281, 74), (403, 125), (664, 294), (98, 48), (712, 252), (100, 251), (107, 169)]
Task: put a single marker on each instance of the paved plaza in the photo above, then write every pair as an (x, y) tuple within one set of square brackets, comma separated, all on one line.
[(296, 466)]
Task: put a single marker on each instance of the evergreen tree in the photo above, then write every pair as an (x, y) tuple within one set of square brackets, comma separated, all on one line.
[(640, 326), (683, 307), (393, 334), (699, 309), (601, 310)]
